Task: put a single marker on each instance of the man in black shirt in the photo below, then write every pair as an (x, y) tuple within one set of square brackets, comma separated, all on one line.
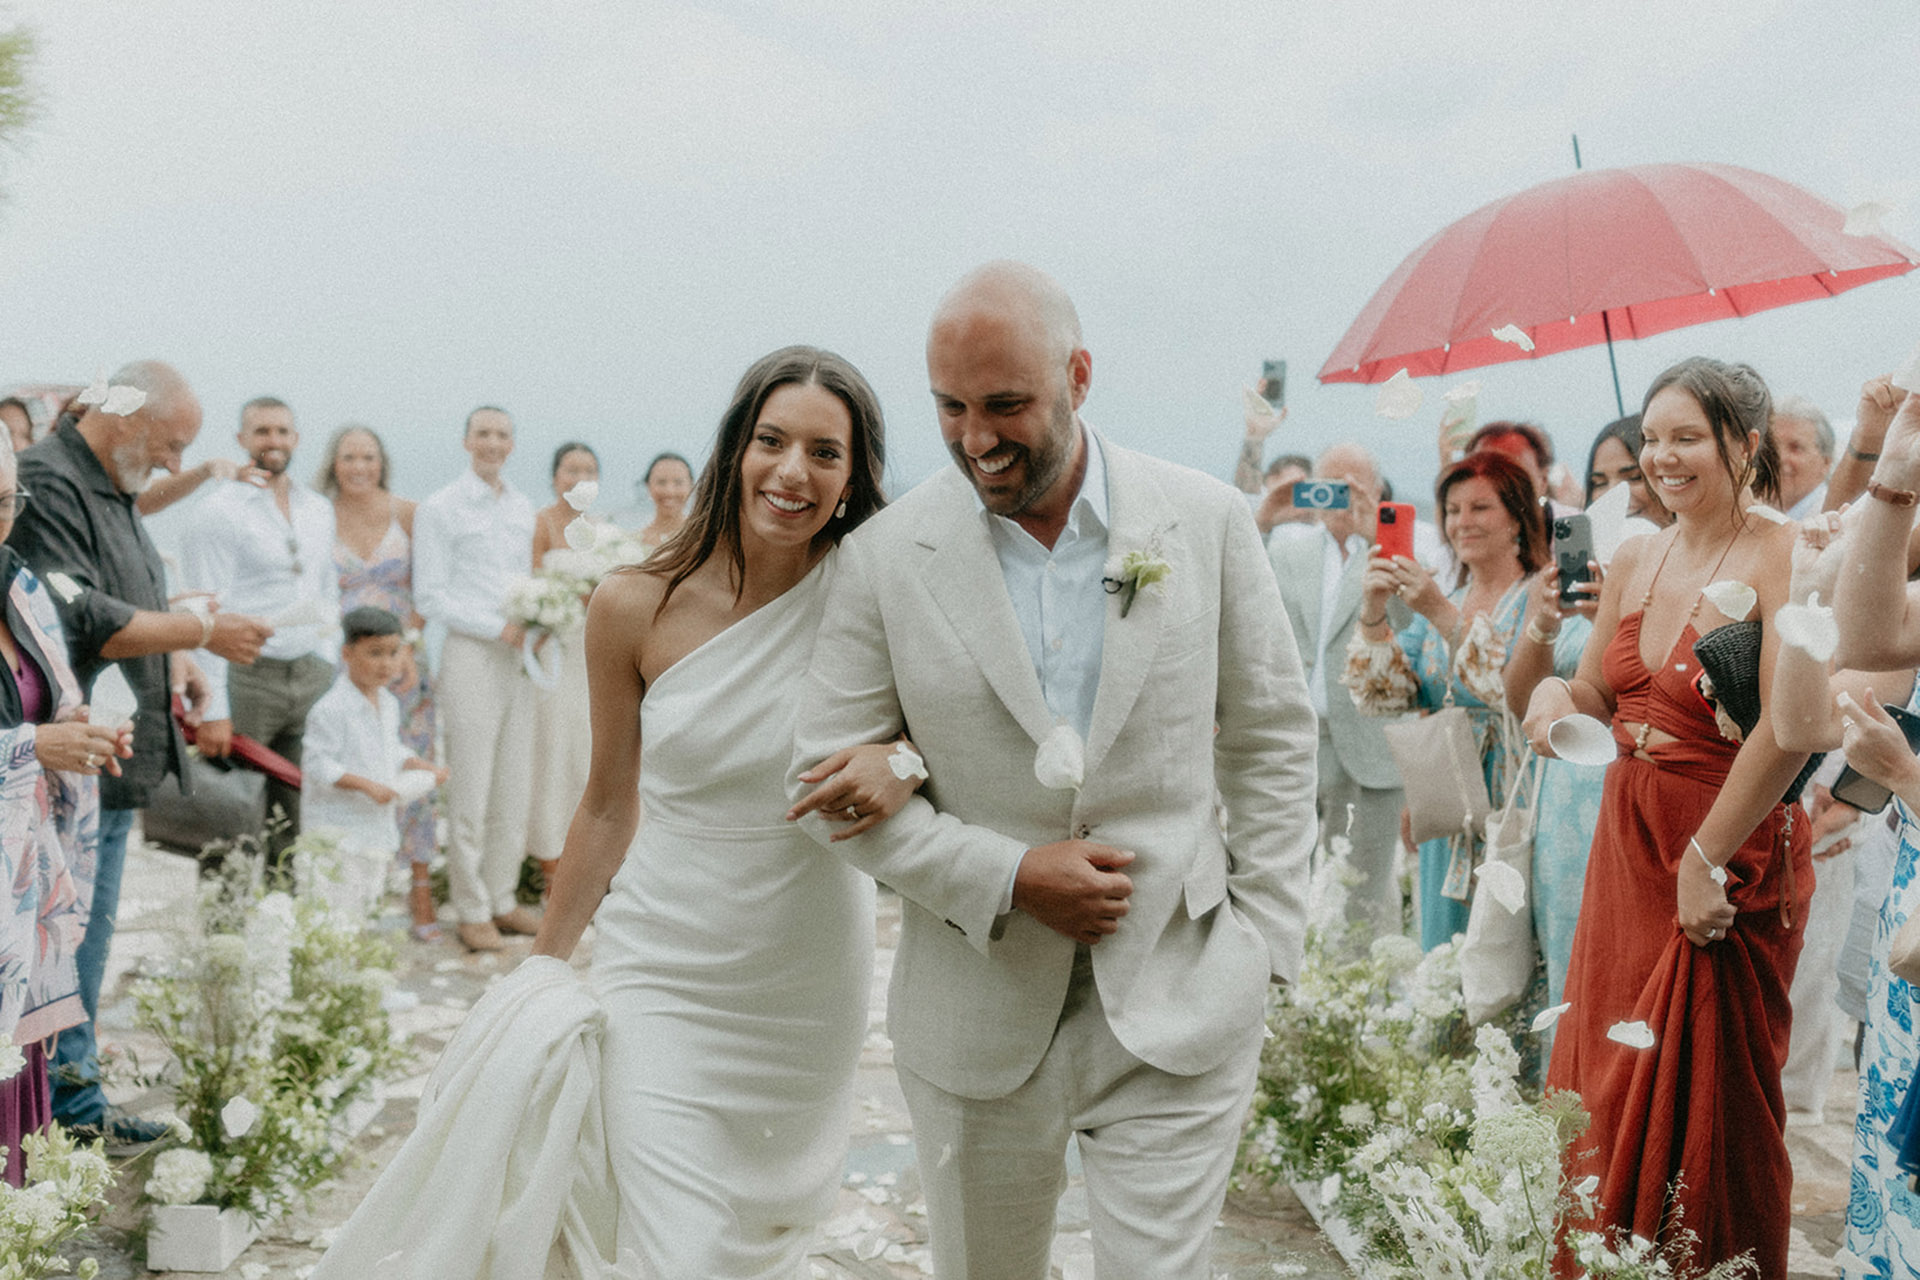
[(82, 535)]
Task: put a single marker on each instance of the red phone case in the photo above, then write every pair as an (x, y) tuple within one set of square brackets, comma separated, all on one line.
[(1395, 536)]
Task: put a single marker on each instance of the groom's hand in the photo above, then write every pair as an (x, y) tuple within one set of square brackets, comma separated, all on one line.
[(1074, 887)]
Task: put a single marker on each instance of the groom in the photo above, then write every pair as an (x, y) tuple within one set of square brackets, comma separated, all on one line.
[(1086, 958)]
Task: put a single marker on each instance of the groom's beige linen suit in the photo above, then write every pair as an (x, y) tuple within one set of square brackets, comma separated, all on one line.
[(920, 635)]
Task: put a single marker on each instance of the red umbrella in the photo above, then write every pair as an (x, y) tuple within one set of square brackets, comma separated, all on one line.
[(1609, 253)]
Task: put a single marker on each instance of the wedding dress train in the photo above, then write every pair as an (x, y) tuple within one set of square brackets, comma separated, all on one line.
[(701, 1077)]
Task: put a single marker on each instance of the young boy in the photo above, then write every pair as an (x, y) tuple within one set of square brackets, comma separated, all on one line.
[(353, 758)]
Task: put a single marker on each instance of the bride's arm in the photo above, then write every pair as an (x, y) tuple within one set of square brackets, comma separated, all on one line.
[(872, 781), (618, 620)]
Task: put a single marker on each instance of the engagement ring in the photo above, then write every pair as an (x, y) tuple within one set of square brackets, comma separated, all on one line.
[(1713, 933), (853, 813)]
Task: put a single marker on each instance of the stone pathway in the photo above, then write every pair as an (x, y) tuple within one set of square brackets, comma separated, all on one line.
[(878, 1231)]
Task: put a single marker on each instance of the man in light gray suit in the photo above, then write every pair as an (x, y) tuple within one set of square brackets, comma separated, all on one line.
[(1319, 568), (1085, 957)]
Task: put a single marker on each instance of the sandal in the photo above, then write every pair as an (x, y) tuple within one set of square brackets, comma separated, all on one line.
[(426, 925)]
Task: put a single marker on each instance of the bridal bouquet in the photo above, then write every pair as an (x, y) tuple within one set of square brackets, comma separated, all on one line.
[(273, 1009), (553, 598), (64, 1195)]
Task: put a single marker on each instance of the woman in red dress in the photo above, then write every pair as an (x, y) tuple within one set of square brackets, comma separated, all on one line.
[(1697, 888)]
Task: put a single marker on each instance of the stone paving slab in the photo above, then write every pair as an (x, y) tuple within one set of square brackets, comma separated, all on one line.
[(878, 1228)]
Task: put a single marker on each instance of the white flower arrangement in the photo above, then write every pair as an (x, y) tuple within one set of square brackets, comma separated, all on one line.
[(273, 1011), (554, 599), (64, 1196), (1141, 570)]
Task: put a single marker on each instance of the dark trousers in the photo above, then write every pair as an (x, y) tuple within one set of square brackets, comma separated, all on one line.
[(270, 701)]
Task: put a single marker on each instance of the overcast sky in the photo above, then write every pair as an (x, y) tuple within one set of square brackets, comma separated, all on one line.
[(597, 213)]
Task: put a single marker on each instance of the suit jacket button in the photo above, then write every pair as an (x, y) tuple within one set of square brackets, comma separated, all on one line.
[(1082, 831)]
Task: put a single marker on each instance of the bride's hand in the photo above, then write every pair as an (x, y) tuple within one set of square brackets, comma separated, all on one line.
[(858, 787)]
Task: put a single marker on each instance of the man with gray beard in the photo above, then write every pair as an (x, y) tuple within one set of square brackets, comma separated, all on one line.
[(80, 532)]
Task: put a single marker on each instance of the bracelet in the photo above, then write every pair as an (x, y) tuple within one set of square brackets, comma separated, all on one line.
[(1864, 457), (1535, 634), (206, 629), (1374, 622), (1891, 496), (1715, 872)]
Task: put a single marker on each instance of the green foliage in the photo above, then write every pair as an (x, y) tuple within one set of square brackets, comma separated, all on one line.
[(18, 100)]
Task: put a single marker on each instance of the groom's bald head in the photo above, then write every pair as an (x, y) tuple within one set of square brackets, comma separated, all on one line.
[(1013, 293)]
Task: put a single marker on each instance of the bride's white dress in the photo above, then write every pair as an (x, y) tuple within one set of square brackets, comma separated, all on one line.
[(685, 1114)]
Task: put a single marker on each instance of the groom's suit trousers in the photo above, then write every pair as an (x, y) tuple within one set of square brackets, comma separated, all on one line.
[(1156, 1150)]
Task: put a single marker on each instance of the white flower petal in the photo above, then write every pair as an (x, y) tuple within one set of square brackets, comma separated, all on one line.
[(581, 534), (1516, 335), (906, 763), (1864, 218), (1508, 886), (12, 1060), (1735, 599), (238, 1115), (96, 391), (1634, 1035), (1548, 1016), (121, 401), (1398, 397), (1811, 628), (1766, 512), (582, 495), (1907, 377), (1061, 762), (1255, 405), (1464, 391)]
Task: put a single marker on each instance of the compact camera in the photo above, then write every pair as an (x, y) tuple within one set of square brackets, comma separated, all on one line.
[(1321, 495)]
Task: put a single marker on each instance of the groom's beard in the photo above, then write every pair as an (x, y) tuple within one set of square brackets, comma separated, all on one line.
[(1038, 468)]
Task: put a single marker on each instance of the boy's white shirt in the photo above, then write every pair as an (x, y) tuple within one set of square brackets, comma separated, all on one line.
[(349, 733)]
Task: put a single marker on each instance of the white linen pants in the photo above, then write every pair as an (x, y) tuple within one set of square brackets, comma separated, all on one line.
[(486, 715), (1374, 903), (1821, 1029), (1156, 1150)]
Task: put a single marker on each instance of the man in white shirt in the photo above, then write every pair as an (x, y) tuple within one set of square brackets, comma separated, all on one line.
[(471, 540), (266, 548), (1319, 569)]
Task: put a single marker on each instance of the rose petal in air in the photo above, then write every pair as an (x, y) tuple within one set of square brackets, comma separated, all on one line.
[(122, 401), (96, 391), (1766, 512), (1398, 397), (1061, 762), (1735, 599), (1634, 1035), (1811, 628), (1508, 886), (581, 535), (1864, 218), (1516, 335), (582, 495), (1548, 1016)]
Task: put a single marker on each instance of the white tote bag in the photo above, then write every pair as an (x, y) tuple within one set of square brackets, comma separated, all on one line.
[(1497, 960)]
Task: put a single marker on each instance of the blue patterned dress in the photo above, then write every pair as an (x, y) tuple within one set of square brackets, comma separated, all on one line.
[(1563, 831), (1883, 1214)]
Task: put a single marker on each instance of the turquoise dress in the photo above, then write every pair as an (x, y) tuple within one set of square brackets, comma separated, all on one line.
[(1441, 915), (1563, 831)]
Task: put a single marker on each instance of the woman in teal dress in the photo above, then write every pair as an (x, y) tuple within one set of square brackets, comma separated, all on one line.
[(1456, 647)]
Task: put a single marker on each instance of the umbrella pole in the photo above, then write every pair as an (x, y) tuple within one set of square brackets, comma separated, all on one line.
[(1606, 326)]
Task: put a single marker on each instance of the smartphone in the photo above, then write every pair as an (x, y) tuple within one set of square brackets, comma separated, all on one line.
[(1573, 553), (1395, 530), (1322, 495), (1273, 382), (1862, 792)]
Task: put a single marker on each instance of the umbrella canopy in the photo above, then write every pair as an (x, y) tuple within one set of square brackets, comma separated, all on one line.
[(1609, 253)]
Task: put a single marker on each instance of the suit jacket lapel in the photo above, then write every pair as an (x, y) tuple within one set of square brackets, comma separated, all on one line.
[(963, 576), (1137, 515), (1346, 600)]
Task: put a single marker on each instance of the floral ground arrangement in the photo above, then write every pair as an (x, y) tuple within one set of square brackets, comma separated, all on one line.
[(64, 1196), (274, 1011), (1416, 1133)]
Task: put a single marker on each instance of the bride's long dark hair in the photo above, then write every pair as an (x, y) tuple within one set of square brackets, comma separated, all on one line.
[(714, 521)]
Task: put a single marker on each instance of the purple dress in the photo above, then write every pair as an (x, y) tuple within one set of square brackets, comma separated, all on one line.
[(385, 581)]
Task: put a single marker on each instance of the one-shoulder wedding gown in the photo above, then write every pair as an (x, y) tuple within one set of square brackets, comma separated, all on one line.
[(685, 1112)]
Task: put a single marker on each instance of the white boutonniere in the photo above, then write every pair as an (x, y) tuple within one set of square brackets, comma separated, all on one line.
[(1127, 576)]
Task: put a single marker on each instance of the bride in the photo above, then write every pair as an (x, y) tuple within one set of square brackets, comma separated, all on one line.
[(684, 1111)]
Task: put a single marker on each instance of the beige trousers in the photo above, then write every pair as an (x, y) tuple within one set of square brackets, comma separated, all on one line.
[(485, 703), (1156, 1150)]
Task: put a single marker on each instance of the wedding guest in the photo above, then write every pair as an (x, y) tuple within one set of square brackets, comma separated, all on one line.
[(373, 556), (1320, 578), (472, 539), (1878, 612), (1698, 881), (1453, 651), (1570, 793), (165, 490), (1805, 439), (266, 548), (355, 756), (83, 536), (50, 759), (562, 749), (669, 482)]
